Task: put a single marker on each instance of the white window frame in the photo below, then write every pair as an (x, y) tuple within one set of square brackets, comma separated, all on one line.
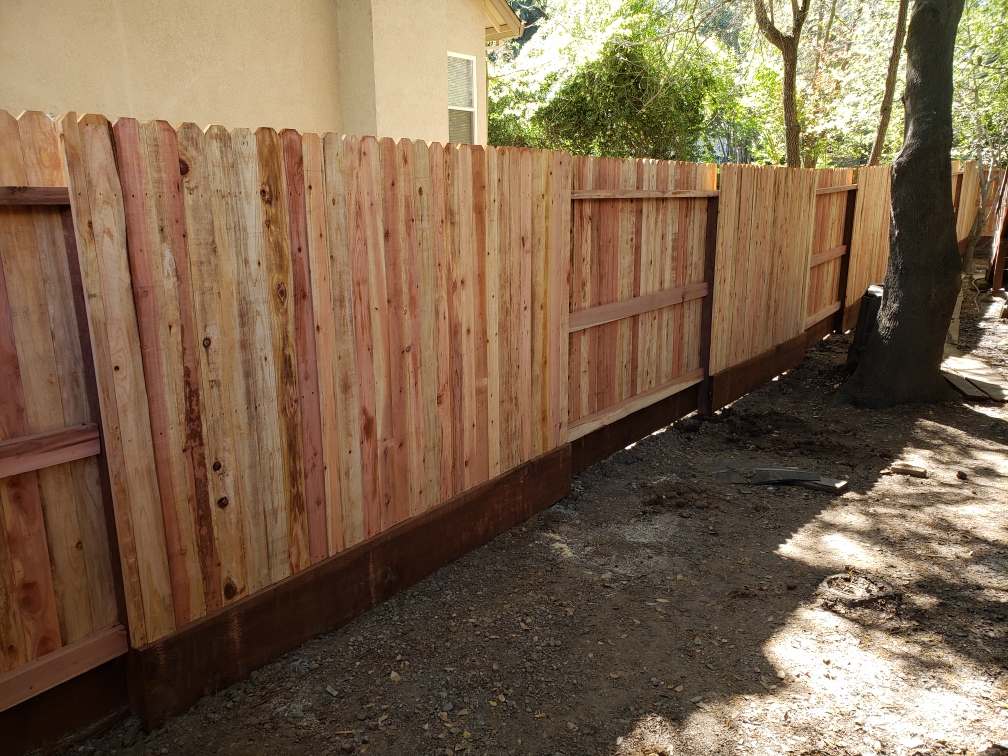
[(475, 94)]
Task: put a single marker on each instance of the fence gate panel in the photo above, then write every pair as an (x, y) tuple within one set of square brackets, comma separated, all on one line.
[(58, 608)]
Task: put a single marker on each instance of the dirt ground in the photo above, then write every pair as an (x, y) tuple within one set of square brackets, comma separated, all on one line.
[(658, 610)]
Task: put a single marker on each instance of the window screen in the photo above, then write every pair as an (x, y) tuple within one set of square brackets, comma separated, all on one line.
[(461, 100)]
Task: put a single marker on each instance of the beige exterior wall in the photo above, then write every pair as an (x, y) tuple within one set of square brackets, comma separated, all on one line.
[(357, 67), (349, 66), (465, 32), (411, 44), (234, 62), (411, 69)]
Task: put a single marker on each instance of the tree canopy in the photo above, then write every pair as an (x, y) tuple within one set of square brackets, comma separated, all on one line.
[(695, 79)]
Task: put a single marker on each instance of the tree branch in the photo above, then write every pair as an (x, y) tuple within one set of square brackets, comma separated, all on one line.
[(766, 26)]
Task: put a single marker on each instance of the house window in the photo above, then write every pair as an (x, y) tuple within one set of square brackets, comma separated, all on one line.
[(461, 98)]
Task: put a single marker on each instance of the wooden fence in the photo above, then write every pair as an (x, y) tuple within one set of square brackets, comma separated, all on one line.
[(637, 272), (331, 336), (302, 346), (870, 240)]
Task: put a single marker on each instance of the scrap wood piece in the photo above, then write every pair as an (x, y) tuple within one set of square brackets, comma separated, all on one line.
[(963, 386), (830, 485), (905, 468), (782, 475), (976, 372)]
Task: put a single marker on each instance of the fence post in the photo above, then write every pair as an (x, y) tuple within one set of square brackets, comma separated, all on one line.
[(957, 194), (706, 396), (848, 237)]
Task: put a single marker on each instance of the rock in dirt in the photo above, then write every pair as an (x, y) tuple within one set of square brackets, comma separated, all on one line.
[(131, 736), (855, 588)]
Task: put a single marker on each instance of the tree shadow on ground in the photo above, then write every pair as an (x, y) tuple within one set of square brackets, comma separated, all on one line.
[(916, 674), (658, 610)]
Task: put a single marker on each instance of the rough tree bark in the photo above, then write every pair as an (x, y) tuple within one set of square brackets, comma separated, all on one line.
[(902, 359), (788, 46), (890, 83)]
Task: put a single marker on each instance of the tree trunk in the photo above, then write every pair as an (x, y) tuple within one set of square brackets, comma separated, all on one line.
[(792, 128), (902, 359), (788, 46), (890, 84)]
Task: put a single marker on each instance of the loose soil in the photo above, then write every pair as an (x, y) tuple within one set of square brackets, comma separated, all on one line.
[(658, 610)]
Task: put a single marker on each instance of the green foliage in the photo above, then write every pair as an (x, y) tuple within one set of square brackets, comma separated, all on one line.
[(609, 83), (630, 102), (980, 105), (694, 79)]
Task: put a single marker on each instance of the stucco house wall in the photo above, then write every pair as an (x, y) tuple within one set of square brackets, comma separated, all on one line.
[(235, 62), (348, 66)]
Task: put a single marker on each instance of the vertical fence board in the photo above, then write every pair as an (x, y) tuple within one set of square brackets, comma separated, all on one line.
[(477, 234), (442, 262), (455, 293), (286, 524), (336, 315), (358, 209), (397, 323), (101, 243), (524, 293), (412, 327), (426, 286), (212, 216), (539, 282), (492, 281), (197, 516), (157, 315), (307, 359), (559, 262), (206, 334)]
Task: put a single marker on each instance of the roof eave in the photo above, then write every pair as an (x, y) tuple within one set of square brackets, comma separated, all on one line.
[(502, 21)]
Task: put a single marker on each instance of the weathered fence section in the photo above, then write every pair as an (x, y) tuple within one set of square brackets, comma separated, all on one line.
[(331, 335), (637, 276)]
